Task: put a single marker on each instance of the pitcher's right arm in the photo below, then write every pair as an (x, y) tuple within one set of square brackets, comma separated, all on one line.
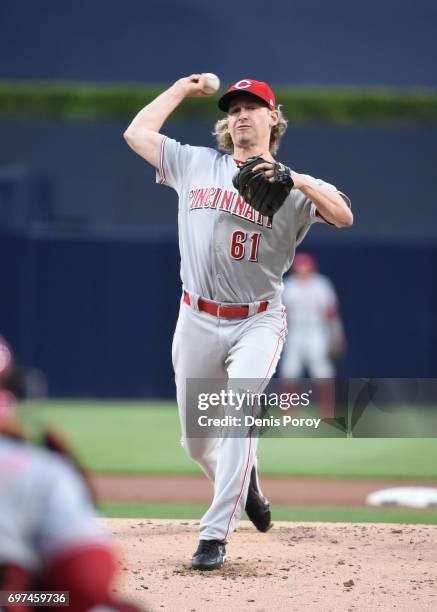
[(143, 135)]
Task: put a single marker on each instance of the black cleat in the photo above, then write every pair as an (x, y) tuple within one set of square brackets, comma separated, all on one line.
[(210, 555), (257, 506)]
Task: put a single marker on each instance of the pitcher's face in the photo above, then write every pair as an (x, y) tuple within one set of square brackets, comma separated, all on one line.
[(250, 122)]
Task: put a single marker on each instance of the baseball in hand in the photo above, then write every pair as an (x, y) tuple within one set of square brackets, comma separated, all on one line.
[(212, 83)]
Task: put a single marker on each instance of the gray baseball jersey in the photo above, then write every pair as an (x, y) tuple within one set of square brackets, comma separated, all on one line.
[(229, 252)]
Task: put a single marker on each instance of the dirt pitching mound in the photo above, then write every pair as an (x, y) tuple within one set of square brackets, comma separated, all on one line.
[(295, 566)]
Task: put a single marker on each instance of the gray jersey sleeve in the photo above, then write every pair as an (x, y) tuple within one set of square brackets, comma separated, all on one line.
[(307, 213), (175, 162), (307, 209)]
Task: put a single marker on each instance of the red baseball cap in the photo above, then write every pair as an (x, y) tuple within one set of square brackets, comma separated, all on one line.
[(258, 89)]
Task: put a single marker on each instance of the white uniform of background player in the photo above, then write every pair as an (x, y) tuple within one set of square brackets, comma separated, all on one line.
[(230, 256), (313, 321)]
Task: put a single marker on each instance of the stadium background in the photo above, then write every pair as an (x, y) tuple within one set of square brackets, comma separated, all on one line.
[(88, 243)]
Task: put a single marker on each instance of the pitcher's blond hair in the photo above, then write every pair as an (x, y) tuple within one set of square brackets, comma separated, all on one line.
[(224, 140)]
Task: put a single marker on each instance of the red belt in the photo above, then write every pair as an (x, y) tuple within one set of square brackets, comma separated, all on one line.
[(225, 312)]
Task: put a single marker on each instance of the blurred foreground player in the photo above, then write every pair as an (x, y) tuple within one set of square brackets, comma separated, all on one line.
[(18, 382), (9, 385), (49, 538)]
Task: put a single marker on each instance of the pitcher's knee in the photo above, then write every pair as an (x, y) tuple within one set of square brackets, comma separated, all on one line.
[(194, 448)]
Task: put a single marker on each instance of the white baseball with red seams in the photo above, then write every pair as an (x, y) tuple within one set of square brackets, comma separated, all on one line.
[(230, 254), (212, 82)]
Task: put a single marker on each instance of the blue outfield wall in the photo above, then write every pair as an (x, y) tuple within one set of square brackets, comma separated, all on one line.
[(82, 175), (97, 314), (312, 42)]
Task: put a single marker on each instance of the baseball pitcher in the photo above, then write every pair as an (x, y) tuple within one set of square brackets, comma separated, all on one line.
[(241, 214)]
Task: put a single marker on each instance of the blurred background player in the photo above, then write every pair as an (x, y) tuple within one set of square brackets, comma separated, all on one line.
[(316, 338), (49, 537)]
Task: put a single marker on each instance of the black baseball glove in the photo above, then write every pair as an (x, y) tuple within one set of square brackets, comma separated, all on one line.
[(263, 194)]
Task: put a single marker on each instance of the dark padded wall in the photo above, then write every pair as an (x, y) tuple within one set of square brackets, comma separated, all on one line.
[(96, 180), (97, 315), (89, 273), (90, 264), (336, 42)]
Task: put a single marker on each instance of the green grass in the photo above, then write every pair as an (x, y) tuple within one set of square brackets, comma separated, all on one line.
[(91, 101), (144, 437), (118, 436), (280, 513)]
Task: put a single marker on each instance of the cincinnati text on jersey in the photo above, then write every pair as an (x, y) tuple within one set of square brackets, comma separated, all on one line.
[(229, 201)]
